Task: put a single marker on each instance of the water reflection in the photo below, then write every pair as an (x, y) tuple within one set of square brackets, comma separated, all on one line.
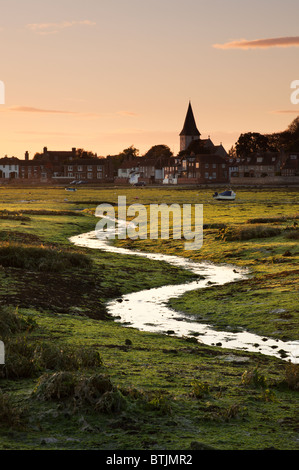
[(147, 309)]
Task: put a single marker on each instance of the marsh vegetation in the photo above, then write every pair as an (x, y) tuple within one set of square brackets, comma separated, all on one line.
[(75, 379)]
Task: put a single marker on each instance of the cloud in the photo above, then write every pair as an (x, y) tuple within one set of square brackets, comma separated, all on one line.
[(43, 133), (286, 111), (260, 43), (29, 109), (53, 28), (126, 113)]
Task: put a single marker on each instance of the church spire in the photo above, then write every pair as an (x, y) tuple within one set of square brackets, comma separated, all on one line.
[(189, 131)]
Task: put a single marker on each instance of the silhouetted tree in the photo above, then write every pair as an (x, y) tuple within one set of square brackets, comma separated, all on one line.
[(130, 152), (81, 153), (252, 142), (158, 151)]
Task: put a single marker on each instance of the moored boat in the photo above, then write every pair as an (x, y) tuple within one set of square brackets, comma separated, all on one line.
[(225, 196)]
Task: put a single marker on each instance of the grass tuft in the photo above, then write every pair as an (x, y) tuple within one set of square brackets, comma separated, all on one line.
[(41, 258)]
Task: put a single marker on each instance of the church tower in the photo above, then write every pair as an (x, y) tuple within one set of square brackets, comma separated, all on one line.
[(189, 131)]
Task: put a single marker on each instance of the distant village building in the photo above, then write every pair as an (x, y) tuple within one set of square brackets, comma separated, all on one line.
[(189, 131), (9, 167), (65, 166), (85, 169), (147, 170), (291, 165), (259, 165), (199, 160)]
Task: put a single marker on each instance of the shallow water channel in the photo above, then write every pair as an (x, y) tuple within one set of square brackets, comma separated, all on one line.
[(147, 310)]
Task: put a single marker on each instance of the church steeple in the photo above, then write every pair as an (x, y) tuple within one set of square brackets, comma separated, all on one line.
[(189, 131)]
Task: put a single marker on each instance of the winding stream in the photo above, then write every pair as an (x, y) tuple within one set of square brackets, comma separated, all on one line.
[(147, 310)]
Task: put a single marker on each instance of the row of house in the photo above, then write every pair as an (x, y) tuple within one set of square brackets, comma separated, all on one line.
[(57, 166), (267, 164), (198, 162), (193, 168)]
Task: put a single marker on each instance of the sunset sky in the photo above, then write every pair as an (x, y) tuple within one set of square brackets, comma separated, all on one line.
[(106, 74)]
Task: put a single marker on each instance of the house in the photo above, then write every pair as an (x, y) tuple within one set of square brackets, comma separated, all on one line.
[(148, 170), (65, 166), (84, 169), (259, 165), (129, 169), (9, 167), (291, 166), (196, 169)]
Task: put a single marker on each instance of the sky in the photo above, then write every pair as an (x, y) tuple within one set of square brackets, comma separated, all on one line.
[(107, 74)]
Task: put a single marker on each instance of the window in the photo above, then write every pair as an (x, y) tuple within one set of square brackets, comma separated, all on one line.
[(206, 174), (214, 165), (89, 175), (197, 164), (293, 157), (70, 168), (70, 174), (99, 168), (79, 168), (223, 165), (89, 168), (214, 175), (206, 165), (99, 175)]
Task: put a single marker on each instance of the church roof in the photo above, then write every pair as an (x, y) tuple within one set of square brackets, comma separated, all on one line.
[(190, 125)]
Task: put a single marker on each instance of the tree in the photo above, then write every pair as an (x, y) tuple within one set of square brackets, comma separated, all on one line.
[(294, 128), (252, 142), (159, 151), (81, 153), (130, 152), (232, 154)]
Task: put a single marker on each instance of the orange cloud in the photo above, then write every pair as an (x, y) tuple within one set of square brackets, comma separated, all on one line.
[(28, 109), (126, 113), (260, 43), (286, 111), (52, 28)]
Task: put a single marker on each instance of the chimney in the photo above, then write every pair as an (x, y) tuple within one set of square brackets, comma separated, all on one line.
[(26, 155), (45, 149)]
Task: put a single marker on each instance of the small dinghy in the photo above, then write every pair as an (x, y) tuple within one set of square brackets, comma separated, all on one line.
[(70, 189), (225, 196)]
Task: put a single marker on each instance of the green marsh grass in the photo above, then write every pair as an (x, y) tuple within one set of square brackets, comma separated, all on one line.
[(151, 404)]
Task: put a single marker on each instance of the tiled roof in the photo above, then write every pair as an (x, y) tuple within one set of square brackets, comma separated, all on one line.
[(269, 158), (9, 161)]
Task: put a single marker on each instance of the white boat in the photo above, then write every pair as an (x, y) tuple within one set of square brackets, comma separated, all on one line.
[(225, 196)]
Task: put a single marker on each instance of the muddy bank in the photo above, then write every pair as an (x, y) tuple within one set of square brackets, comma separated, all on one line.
[(147, 310)]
